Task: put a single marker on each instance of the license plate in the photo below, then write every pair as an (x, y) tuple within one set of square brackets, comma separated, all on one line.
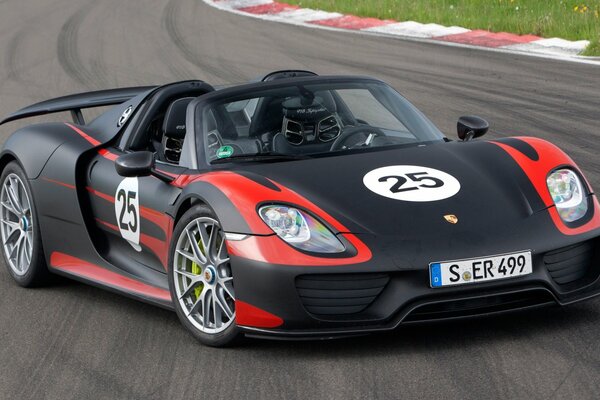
[(475, 270)]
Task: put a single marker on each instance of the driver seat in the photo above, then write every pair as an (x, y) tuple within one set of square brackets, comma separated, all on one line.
[(174, 129), (280, 143)]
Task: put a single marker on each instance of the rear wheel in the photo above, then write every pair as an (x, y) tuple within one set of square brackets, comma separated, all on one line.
[(19, 229), (201, 280)]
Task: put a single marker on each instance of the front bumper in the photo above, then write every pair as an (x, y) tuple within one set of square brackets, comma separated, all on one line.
[(382, 298)]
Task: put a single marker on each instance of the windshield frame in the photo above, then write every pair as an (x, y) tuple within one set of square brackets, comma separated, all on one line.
[(242, 92)]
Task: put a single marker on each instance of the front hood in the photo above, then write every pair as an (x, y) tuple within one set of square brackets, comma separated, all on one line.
[(493, 193)]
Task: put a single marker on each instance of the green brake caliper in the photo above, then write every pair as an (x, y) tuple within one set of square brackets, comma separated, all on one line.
[(197, 270)]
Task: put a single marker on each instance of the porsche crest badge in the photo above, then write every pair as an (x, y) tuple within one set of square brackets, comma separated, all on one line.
[(451, 218)]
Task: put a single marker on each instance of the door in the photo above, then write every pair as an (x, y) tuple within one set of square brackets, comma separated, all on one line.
[(131, 228)]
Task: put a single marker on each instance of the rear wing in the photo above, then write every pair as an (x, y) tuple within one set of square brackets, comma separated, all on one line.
[(76, 102)]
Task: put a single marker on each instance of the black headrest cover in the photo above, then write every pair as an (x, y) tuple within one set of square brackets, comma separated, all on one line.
[(297, 109), (175, 118)]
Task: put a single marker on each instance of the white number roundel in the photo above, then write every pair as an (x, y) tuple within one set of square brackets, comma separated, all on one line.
[(411, 183), (127, 210)]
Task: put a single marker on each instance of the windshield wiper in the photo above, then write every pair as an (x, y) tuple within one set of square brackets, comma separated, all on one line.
[(260, 157)]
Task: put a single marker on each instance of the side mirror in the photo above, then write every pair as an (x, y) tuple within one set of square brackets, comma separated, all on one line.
[(139, 163), (471, 127)]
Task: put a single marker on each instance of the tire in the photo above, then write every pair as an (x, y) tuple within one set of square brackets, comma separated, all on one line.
[(28, 268), (201, 281)]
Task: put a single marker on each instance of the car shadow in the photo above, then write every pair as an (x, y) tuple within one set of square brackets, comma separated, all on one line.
[(447, 335), (409, 338)]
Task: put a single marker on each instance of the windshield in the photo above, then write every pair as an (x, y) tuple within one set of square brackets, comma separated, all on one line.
[(303, 120)]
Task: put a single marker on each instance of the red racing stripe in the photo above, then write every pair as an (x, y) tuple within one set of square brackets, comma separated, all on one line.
[(273, 250), (67, 185), (249, 315), (550, 157), (183, 180), (158, 247), (103, 152), (100, 194), (84, 269), (108, 155), (84, 135), (162, 220)]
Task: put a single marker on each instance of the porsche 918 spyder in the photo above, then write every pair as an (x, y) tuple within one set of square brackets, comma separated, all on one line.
[(293, 206)]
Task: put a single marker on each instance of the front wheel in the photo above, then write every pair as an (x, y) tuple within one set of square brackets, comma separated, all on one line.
[(201, 280)]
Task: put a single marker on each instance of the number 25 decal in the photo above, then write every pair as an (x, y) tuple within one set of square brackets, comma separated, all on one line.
[(415, 177), (411, 183), (127, 210), (127, 198)]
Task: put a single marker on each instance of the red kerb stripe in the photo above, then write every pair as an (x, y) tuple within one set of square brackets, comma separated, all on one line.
[(352, 22), (271, 8), (488, 39)]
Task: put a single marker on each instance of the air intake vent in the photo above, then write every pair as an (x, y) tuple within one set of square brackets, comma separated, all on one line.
[(339, 294), (479, 305), (571, 263)]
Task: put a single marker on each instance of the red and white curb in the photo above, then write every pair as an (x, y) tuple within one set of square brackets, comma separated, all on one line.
[(554, 48)]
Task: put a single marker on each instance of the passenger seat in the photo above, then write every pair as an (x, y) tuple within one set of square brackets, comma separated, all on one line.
[(174, 129)]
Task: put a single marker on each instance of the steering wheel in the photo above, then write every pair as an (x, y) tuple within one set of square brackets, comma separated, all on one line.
[(370, 131)]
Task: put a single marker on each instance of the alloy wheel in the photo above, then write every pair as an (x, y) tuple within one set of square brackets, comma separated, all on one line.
[(16, 226), (202, 276)]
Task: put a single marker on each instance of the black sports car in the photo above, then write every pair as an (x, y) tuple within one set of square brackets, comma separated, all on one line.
[(296, 206)]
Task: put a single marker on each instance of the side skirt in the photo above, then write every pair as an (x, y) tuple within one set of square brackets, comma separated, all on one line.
[(88, 273)]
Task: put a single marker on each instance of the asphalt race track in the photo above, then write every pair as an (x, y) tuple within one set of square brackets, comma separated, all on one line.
[(73, 341)]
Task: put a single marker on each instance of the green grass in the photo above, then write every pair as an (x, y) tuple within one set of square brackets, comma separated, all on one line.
[(567, 19), (593, 49)]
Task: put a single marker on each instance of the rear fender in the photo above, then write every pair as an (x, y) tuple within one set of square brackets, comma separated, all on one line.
[(33, 146)]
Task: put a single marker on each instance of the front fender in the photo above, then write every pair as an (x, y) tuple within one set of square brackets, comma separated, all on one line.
[(229, 216), (538, 158), (235, 197)]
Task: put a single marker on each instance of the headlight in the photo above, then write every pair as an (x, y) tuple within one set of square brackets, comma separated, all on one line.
[(568, 194), (300, 229)]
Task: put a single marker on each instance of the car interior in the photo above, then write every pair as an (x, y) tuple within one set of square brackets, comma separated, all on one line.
[(283, 125), (162, 125), (303, 124)]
